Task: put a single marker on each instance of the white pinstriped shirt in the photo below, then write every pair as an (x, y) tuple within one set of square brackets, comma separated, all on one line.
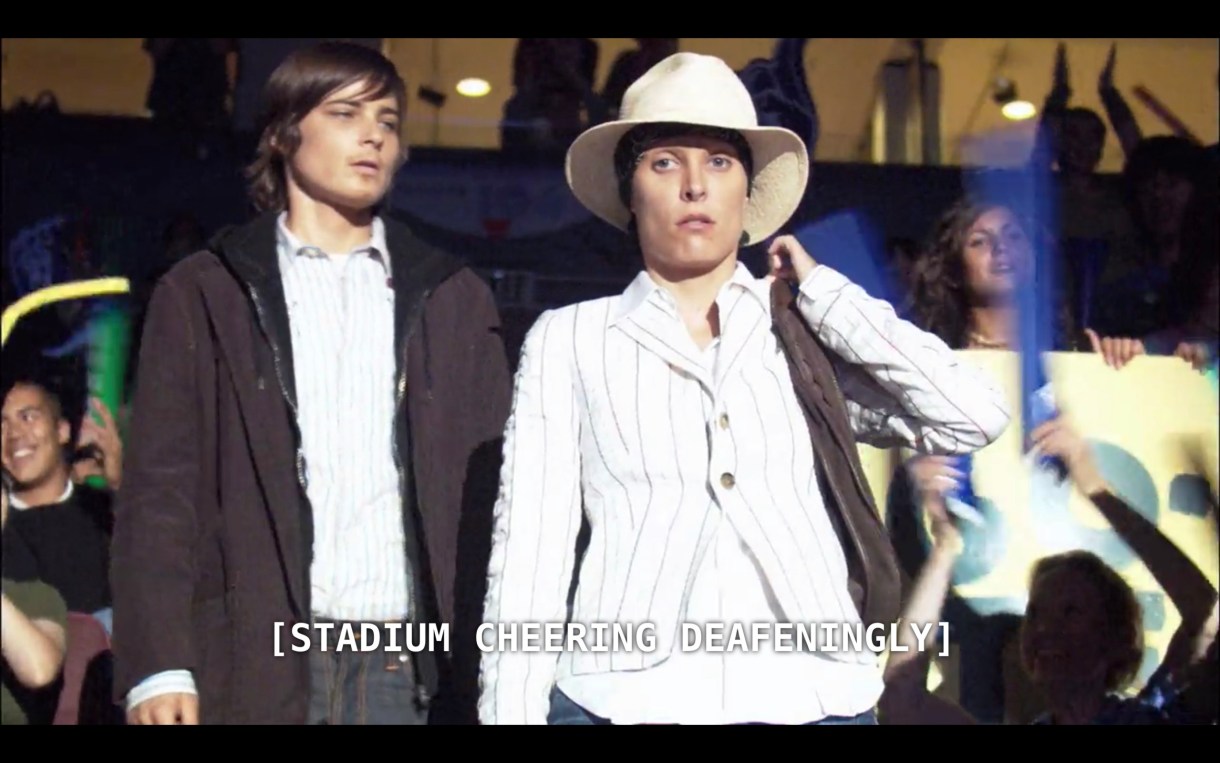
[(341, 310), (671, 458)]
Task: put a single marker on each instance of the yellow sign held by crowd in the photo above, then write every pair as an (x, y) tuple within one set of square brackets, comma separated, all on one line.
[(1153, 429)]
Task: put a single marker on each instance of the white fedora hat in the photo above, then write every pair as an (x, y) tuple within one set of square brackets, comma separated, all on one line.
[(688, 88)]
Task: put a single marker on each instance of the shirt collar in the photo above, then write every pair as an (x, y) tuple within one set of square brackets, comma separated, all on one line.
[(643, 288), (290, 246), (16, 503)]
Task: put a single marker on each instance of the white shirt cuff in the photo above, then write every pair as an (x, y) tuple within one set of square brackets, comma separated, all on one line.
[(167, 682), (822, 280)]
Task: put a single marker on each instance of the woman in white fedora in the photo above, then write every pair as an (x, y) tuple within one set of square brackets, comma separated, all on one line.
[(704, 422)]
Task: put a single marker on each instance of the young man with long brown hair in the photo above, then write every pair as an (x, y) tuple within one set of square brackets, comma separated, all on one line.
[(319, 398)]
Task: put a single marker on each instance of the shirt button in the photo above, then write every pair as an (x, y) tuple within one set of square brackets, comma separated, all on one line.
[(724, 421), (727, 481)]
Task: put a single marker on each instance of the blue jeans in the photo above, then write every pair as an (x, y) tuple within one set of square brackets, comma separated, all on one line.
[(565, 712), (867, 718), (363, 688), (106, 618)]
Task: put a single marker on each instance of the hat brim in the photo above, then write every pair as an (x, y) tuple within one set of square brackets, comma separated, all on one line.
[(781, 175)]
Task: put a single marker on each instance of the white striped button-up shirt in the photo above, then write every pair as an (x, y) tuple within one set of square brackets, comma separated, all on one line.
[(670, 456), (341, 309)]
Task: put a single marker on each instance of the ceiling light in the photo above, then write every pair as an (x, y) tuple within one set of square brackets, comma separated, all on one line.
[(473, 87), (1018, 110), (1004, 92)]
